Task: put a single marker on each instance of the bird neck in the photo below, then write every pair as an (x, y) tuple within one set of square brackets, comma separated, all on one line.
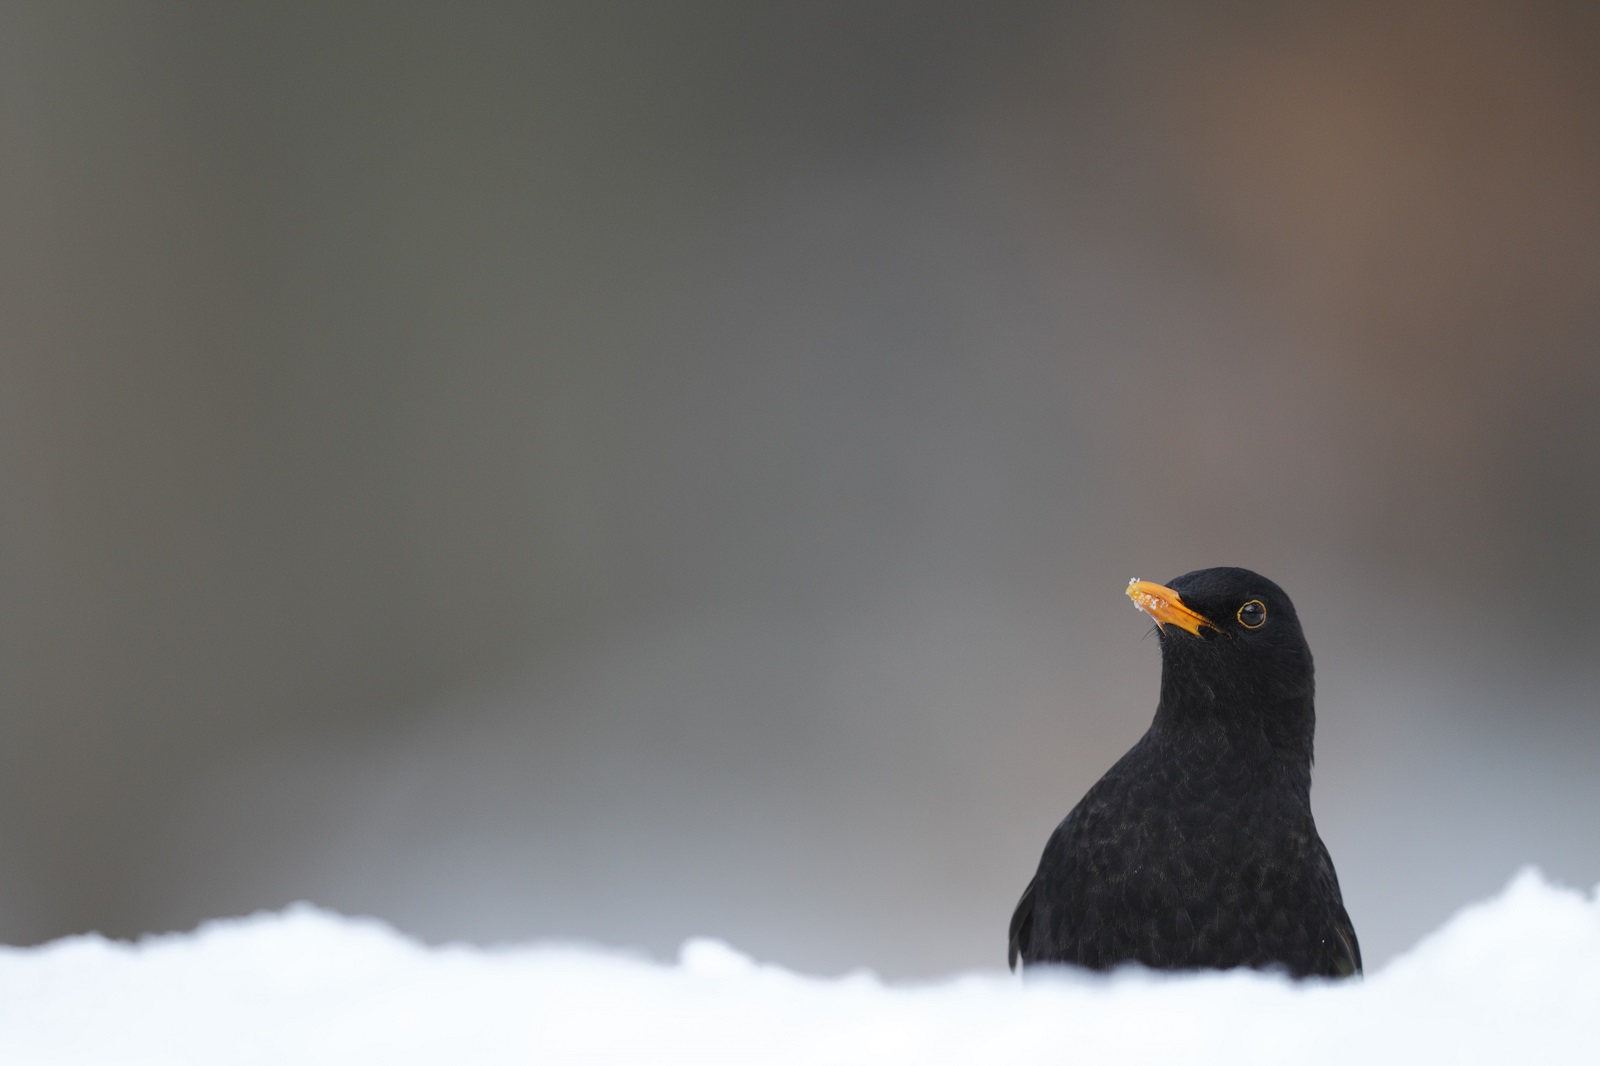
[(1265, 730)]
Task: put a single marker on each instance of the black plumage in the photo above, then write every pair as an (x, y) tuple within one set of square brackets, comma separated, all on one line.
[(1198, 849)]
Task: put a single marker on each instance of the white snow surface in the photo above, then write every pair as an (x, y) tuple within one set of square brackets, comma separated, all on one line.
[(1514, 979)]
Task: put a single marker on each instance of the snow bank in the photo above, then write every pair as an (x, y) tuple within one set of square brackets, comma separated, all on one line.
[(1516, 979)]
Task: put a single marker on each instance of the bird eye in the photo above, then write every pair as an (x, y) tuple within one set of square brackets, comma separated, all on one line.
[(1253, 615)]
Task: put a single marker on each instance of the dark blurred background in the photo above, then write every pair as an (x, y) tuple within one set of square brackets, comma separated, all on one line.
[(620, 472)]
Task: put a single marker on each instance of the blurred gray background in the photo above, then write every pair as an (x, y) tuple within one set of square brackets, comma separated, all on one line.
[(622, 472)]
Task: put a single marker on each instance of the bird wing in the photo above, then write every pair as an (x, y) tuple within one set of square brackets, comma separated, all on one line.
[(1021, 926), (1350, 965)]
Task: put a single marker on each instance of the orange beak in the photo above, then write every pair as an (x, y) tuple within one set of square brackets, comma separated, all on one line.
[(1165, 605)]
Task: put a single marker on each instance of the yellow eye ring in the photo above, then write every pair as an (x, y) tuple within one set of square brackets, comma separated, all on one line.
[(1253, 615)]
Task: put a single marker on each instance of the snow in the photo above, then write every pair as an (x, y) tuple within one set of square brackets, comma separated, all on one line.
[(1516, 978)]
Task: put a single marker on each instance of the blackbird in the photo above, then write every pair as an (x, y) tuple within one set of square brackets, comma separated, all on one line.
[(1197, 849)]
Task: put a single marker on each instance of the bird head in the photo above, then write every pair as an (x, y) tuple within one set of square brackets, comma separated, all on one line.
[(1229, 638)]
